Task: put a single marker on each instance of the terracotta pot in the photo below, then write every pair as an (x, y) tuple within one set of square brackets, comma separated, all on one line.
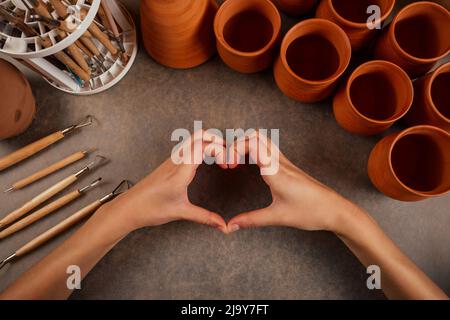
[(178, 33), (295, 8), (417, 38), (375, 95), (352, 17), (413, 164), (432, 99), (247, 34), (18, 105), (313, 56)]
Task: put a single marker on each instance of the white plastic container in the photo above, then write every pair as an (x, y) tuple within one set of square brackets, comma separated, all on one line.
[(28, 49)]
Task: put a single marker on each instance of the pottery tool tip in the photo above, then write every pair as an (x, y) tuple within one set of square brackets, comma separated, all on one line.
[(8, 190), (8, 259)]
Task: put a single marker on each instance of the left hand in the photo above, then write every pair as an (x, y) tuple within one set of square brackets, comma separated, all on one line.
[(162, 197)]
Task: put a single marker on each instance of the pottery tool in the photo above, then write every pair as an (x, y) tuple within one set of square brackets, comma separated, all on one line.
[(66, 224), (35, 147), (22, 183), (48, 209), (104, 5), (50, 192), (97, 33)]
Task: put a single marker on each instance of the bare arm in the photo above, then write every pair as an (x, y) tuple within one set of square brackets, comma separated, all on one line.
[(301, 202)]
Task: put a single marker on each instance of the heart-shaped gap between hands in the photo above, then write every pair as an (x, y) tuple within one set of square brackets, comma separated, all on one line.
[(231, 191)]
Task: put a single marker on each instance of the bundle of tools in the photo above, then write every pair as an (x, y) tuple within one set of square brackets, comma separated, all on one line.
[(79, 46), (41, 204)]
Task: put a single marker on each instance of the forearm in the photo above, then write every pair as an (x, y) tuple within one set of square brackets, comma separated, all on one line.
[(47, 279), (400, 277)]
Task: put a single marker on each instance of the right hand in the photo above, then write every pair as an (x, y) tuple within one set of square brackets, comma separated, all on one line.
[(299, 200)]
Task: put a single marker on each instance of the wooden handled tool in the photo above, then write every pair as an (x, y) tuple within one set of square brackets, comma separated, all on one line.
[(66, 60), (35, 147), (51, 207), (48, 170), (65, 224), (113, 26), (47, 194), (103, 38)]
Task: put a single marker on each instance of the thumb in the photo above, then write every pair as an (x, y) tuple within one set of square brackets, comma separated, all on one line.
[(206, 217), (252, 219)]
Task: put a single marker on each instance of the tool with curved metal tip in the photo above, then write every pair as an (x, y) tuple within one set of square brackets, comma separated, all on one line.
[(35, 147), (67, 223), (48, 209), (22, 183), (50, 192)]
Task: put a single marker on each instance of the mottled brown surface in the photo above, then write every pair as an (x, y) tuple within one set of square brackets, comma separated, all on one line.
[(184, 260)]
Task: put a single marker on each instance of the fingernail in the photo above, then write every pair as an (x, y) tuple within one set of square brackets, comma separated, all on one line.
[(233, 228)]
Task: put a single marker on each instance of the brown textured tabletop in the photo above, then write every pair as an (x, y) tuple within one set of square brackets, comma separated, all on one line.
[(184, 260)]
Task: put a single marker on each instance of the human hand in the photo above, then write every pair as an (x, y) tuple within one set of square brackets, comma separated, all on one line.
[(299, 200), (162, 197)]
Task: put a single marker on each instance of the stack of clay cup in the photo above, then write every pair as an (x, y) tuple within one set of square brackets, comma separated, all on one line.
[(309, 63), (17, 105)]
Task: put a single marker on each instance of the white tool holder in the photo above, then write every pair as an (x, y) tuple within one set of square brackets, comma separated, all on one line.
[(25, 42)]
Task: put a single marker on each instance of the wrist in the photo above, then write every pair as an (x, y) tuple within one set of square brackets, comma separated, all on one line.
[(347, 217), (114, 221)]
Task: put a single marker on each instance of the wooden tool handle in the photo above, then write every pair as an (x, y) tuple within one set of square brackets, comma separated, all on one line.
[(84, 49), (39, 214), (101, 13), (40, 198), (42, 10), (76, 53), (65, 59), (60, 9), (103, 38), (49, 170), (59, 228), (90, 45), (29, 150)]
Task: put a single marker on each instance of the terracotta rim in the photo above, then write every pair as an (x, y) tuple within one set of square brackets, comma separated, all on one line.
[(387, 64), (428, 95), (285, 45), (394, 24), (358, 24), (221, 39), (402, 134)]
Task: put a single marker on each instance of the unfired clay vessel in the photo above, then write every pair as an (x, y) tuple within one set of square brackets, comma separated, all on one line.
[(17, 104), (352, 17), (313, 56), (178, 33), (295, 8), (432, 99), (247, 34), (413, 164), (417, 38), (375, 95)]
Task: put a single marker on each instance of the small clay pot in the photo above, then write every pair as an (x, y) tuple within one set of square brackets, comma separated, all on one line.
[(17, 101), (295, 8), (375, 95), (313, 56), (413, 164), (178, 33), (417, 38), (352, 17), (247, 34), (432, 99)]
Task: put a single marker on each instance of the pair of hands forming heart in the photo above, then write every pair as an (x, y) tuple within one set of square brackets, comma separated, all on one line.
[(299, 201)]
